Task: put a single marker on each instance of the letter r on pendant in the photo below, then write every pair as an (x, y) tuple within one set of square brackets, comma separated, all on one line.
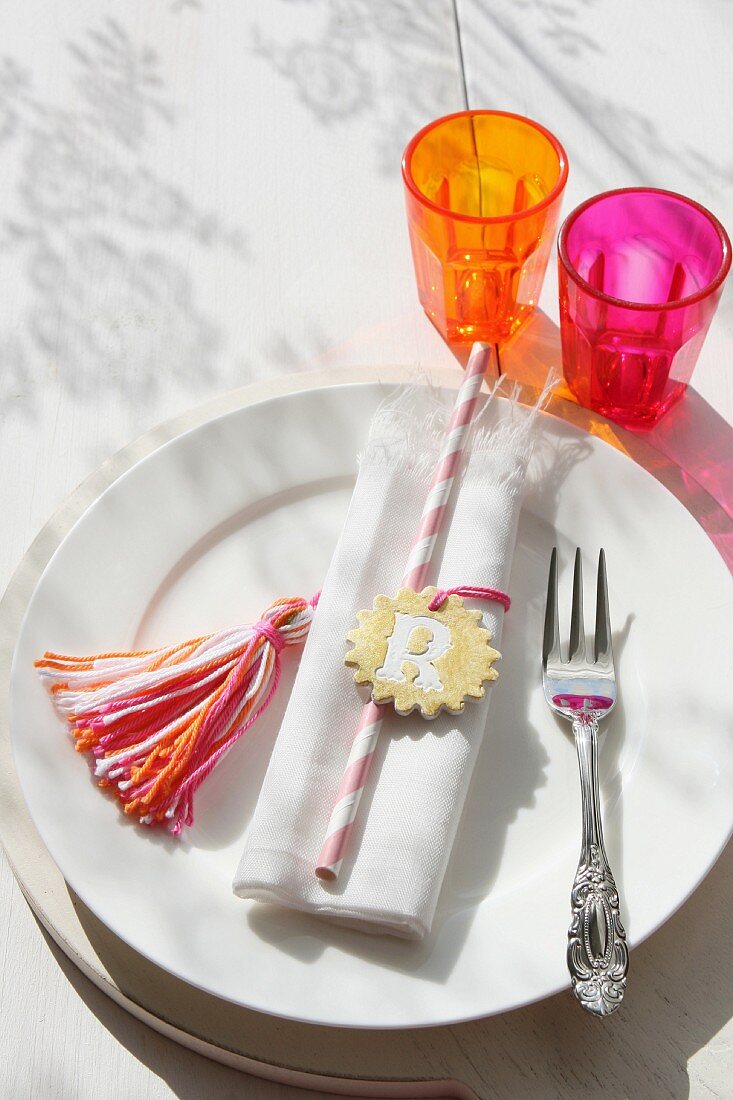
[(398, 651)]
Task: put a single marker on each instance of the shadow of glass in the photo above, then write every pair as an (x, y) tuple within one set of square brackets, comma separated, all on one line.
[(694, 437), (690, 451)]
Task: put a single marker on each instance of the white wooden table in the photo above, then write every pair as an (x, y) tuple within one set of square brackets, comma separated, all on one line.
[(199, 193)]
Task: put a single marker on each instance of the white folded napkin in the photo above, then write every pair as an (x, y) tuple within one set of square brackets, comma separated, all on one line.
[(409, 814)]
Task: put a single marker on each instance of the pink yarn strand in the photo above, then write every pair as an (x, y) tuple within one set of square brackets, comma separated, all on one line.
[(473, 592)]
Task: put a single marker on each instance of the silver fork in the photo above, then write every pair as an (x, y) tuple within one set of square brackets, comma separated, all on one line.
[(583, 691)]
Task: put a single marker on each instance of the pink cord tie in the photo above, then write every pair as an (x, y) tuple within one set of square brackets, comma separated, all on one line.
[(266, 630), (471, 591)]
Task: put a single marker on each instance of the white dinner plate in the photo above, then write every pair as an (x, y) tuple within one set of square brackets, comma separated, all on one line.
[(203, 534)]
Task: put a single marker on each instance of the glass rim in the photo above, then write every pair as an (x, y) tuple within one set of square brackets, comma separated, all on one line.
[(476, 219), (677, 303)]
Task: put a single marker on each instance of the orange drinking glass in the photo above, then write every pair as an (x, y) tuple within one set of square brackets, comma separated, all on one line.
[(483, 192)]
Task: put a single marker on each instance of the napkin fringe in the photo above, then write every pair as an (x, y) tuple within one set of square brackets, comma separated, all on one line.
[(513, 433), (407, 431)]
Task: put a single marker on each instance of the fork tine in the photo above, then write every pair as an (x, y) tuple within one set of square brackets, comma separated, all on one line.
[(603, 645), (551, 636), (577, 630)]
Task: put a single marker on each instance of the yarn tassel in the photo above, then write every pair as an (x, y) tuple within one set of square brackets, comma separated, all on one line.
[(157, 722)]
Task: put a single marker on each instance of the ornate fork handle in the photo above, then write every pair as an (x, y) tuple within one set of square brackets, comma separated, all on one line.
[(598, 958)]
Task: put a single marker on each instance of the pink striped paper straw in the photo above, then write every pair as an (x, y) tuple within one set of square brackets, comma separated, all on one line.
[(360, 759)]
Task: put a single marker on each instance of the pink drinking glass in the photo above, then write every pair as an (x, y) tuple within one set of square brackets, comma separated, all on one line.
[(641, 273)]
